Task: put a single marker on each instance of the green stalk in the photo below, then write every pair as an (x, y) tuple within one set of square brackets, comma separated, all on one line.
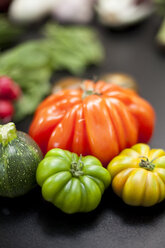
[(8, 132), (146, 164), (77, 167)]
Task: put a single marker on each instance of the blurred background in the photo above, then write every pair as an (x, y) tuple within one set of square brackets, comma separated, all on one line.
[(61, 42), (48, 45)]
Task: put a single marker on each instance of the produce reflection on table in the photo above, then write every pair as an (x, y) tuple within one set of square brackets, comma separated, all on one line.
[(53, 46)]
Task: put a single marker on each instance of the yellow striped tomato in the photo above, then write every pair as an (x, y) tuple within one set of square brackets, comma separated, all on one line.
[(138, 175)]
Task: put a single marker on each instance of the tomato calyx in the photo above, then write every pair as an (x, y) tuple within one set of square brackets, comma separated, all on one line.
[(88, 92), (146, 164), (76, 167)]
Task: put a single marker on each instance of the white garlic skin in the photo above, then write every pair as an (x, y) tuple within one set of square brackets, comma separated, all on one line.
[(118, 13), (80, 11), (28, 11)]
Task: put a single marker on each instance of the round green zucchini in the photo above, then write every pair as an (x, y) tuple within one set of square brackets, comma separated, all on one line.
[(19, 158)]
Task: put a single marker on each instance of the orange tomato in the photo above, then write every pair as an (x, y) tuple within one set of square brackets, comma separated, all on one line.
[(101, 119)]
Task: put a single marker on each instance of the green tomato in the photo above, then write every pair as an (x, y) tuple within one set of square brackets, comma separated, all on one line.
[(72, 183)]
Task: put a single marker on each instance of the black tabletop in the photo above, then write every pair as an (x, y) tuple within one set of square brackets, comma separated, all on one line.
[(30, 222)]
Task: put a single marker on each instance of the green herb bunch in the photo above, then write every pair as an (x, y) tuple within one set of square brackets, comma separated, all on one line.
[(9, 33), (31, 64)]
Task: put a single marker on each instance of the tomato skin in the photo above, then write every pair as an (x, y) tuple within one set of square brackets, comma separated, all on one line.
[(135, 184), (68, 188), (100, 124)]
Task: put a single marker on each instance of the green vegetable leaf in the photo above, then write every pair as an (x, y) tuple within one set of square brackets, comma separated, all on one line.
[(9, 33), (32, 63)]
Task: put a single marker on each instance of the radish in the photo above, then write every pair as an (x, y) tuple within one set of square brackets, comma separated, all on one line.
[(6, 111), (9, 89)]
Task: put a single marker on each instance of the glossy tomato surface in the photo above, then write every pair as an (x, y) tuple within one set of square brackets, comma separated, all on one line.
[(139, 175), (72, 183), (101, 119)]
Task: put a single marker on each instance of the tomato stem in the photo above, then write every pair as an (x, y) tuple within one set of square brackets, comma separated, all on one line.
[(77, 166), (88, 92), (146, 164), (7, 133)]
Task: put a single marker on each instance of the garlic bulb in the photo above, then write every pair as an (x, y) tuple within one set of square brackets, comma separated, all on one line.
[(27, 11), (118, 13), (74, 10)]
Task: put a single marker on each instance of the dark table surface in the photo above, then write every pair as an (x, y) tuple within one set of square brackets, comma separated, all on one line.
[(29, 221)]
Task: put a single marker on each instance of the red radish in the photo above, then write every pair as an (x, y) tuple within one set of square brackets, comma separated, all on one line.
[(6, 111), (9, 89)]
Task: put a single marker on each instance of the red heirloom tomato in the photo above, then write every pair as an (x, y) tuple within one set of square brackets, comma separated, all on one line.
[(101, 119)]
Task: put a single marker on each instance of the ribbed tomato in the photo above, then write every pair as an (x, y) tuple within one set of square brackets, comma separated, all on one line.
[(72, 183), (101, 120), (138, 175)]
